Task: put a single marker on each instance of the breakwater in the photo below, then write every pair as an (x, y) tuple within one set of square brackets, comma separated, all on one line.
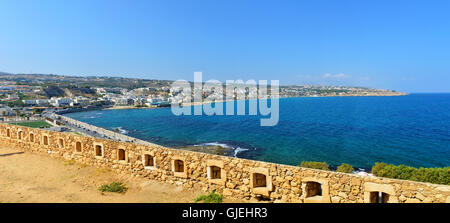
[(93, 130)]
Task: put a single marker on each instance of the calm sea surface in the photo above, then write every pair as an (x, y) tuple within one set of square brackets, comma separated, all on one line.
[(412, 130)]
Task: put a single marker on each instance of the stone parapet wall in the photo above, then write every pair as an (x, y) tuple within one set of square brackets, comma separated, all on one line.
[(239, 178)]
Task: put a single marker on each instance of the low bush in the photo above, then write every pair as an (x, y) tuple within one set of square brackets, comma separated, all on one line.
[(69, 163), (345, 168), (431, 175), (116, 187), (315, 165), (210, 198)]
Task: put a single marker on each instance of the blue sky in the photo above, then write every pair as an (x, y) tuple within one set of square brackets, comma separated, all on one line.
[(400, 45)]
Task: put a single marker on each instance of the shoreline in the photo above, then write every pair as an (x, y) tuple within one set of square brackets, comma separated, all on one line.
[(125, 107), (326, 96), (224, 148), (224, 101), (333, 165)]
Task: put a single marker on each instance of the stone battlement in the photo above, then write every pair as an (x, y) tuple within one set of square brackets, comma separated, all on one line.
[(230, 176)]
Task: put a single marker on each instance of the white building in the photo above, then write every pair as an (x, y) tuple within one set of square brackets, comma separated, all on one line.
[(29, 102), (42, 102), (81, 101), (60, 101), (122, 101), (7, 111), (39, 102)]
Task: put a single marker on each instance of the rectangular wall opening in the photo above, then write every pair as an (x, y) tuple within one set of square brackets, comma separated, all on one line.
[(378, 197), (313, 189), (78, 147), (215, 172), (19, 135), (148, 161), (259, 180), (31, 137), (61, 143), (384, 198), (179, 166), (45, 139), (98, 150), (121, 154), (8, 133)]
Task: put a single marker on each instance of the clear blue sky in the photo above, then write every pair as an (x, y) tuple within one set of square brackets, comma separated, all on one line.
[(395, 44)]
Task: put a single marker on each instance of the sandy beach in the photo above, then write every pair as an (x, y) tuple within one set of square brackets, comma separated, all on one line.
[(127, 107)]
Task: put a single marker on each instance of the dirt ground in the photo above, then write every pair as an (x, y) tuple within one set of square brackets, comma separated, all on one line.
[(36, 178)]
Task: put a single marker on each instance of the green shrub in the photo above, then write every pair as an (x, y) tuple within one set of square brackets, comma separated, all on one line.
[(69, 163), (113, 187), (210, 198), (315, 165), (345, 168), (431, 175)]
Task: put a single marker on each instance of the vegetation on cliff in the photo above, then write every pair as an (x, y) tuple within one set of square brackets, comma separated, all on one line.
[(345, 168), (315, 165), (402, 172), (431, 175)]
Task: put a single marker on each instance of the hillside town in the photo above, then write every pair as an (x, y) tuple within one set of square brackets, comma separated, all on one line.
[(27, 95)]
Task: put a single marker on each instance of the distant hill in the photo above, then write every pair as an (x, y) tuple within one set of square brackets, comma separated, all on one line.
[(60, 85), (82, 82), (53, 91)]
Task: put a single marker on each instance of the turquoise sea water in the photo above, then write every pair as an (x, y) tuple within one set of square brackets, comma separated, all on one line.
[(412, 130)]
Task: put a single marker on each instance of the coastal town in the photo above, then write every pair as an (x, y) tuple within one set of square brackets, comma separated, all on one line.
[(29, 95)]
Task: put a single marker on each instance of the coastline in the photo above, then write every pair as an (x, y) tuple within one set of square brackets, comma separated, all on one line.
[(325, 96), (225, 150), (122, 107), (126, 107)]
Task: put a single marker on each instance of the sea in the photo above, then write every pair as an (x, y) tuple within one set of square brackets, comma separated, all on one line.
[(413, 130)]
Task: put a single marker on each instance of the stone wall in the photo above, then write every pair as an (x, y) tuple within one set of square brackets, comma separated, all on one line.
[(230, 176)]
